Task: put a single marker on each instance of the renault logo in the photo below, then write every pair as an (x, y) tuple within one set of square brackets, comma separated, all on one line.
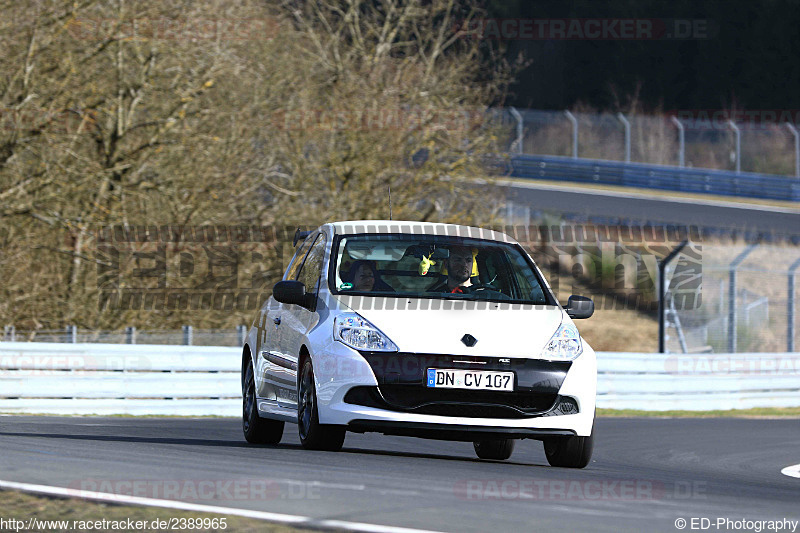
[(469, 340)]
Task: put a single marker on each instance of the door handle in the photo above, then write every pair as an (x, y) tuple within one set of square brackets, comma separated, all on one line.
[(277, 320)]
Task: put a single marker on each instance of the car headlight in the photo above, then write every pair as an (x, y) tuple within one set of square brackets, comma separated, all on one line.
[(357, 332), (565, 344)]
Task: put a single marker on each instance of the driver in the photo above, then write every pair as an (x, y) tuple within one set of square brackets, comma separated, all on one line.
[(459, 265)]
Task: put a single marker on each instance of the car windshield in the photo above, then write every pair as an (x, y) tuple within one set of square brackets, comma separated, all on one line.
[(438, 267)]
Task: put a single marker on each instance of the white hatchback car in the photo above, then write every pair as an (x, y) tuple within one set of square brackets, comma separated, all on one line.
[(427, 330)]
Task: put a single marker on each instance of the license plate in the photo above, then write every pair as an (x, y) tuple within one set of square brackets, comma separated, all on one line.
[(470, 379)]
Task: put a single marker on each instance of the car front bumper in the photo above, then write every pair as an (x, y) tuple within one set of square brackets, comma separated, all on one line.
[(339, 369)]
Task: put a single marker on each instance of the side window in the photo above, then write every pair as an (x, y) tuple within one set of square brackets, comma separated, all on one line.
[(297, 260), (497, 274), (528, 284), (312, 268)]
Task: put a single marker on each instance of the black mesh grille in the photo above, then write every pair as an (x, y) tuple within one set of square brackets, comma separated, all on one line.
[(469, 411), (410, 396), (452, 402)]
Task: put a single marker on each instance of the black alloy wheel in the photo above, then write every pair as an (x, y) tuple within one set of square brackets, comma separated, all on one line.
[(257, 430), (313, 435)]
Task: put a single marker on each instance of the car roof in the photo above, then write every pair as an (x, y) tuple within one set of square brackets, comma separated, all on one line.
[(415, 228)]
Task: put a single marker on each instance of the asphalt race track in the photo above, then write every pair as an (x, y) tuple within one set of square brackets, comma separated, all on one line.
[(647, 207), (645, 474)]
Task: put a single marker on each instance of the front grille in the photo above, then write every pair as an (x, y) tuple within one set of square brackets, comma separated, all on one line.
[(409, 396), (469, 411), (453, 402)]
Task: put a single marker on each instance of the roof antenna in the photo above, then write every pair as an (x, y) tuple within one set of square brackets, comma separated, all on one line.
[(390, 201)]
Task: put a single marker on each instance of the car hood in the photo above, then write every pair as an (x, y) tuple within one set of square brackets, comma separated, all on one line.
[(502, 330)]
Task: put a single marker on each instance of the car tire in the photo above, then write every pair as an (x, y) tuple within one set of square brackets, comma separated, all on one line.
[(498, 449), (569, 452), (257, 430), (313, 435)]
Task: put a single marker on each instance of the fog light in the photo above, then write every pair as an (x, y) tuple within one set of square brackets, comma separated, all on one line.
[(568, 406)]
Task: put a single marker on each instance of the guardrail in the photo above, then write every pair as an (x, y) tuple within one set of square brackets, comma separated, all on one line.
[(106, 379), (697, 382), (693, 180)]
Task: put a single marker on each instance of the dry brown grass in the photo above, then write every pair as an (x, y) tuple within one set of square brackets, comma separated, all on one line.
[(620, 331), (24, 506)]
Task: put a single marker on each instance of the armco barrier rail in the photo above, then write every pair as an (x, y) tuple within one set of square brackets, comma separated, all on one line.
[(697, 382), (104, 379), (694, 180), (140, 379)]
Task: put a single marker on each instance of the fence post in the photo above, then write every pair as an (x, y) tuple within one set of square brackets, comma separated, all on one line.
[(681, 142), (796, 148), (574, 122), (187, 335), (746, 306), (736, 131), (516, 146), (732, 296), (130, 335), (627, 125), (662, 290), (9, 334), (71, 335), (241, 332), (790, 308)]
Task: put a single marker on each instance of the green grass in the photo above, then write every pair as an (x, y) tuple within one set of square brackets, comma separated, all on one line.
[(23, 506), (759, 412)]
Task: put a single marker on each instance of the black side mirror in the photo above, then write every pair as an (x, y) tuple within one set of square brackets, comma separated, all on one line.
[(299, 236), (290, 292), (579, 307)]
